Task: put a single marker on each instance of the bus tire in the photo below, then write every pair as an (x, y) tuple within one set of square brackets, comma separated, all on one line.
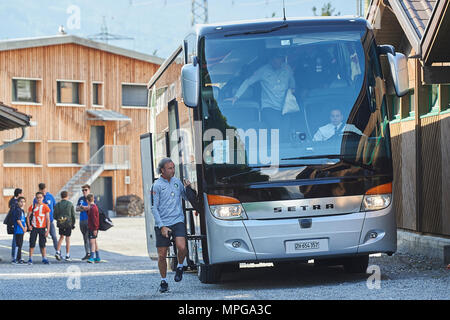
[(209, 273), (357, 264)]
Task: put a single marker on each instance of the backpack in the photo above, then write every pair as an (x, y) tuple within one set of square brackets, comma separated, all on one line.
[(104, 221), (9, 221)]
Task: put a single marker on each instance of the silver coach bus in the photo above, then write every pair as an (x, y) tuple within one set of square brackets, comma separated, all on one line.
[(277, 181)]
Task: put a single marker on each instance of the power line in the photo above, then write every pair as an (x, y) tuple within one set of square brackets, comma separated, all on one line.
[(105, 36)]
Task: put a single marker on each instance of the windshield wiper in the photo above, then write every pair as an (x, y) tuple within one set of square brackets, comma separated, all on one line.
[(254, 169), (257, 31), (335, 156)]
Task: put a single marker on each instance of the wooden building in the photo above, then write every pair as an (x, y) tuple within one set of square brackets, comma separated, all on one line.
[(89, 105), (420, 121)]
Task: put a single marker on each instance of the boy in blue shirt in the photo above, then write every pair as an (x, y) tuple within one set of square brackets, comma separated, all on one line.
[(20, 228), (83, 207)]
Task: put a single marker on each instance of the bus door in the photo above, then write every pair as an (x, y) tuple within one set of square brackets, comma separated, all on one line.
[(148, 177), (177, 154)]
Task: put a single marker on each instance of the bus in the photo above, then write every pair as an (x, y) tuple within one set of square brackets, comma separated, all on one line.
[(282, 127)]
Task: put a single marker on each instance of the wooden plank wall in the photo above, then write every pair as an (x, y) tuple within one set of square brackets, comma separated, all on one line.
[(73, 62)]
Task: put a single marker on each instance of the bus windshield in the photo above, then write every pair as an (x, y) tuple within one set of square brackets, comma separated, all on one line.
[(292, 97)]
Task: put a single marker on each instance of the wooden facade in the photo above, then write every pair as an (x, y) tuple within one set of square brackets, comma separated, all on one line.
[(65, 123), (420, 121)]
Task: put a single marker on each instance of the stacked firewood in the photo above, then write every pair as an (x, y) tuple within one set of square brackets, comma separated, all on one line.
[(130, 205)]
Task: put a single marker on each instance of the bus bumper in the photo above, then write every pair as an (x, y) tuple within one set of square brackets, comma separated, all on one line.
[(276, 239)]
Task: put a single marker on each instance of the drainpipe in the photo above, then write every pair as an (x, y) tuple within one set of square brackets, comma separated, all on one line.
[(8, 144)]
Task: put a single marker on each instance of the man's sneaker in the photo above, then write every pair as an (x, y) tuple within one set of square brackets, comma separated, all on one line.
[(45, 261), (91, 260), (21, 262), (86, 257), (68, 259), (164, 287), (179, 274), (30, 262), (97, 260), (58, 256), (13, 261)]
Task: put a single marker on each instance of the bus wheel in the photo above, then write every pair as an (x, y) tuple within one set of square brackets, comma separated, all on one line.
[(209, 273), (357, 264)]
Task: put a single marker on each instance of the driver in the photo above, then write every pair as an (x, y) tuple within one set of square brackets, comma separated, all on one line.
[(335, 128)]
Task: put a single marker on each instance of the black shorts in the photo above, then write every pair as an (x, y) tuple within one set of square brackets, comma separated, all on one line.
[(178, 230), (67, 232), (33, 237), (91, 235)]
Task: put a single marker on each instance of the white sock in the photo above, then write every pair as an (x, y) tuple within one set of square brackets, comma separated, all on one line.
[(164, 279), (180, 265)]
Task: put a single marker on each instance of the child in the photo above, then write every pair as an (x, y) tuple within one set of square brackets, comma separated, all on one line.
[(20, 228), (64, 214), (39, 226), (93, 226)]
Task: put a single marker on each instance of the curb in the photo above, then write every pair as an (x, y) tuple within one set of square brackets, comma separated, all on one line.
[(429, 246)]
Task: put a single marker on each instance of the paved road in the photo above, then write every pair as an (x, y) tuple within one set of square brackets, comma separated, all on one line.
[(127, 273)]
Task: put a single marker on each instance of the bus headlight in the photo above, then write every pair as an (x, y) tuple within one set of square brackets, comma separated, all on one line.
[(227, 208), (229, 212), (376, 202), (377, 198)]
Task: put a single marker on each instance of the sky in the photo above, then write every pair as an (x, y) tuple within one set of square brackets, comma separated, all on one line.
[(155, 27)]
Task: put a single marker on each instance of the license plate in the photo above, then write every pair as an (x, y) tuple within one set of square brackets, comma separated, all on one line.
[(304, 246)]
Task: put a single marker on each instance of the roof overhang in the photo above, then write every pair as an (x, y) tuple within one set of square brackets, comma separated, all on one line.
[(107, 115), (164, 67), (435, 45), (15, 44), (10, 118)]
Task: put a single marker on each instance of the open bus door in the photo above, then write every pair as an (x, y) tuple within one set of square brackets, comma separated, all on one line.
[(148, 177)]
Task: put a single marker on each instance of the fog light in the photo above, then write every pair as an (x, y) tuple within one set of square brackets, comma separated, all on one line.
[(373, 235), (236, 244)]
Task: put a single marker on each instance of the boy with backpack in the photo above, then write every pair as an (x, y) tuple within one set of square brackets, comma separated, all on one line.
[(93, 226), (20, 228), (9, 220), (64, 214)]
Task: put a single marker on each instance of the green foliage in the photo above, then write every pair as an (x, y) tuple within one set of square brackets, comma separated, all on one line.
[(327, 10)]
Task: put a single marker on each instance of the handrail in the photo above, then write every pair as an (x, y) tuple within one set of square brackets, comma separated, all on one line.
[(108, 157)]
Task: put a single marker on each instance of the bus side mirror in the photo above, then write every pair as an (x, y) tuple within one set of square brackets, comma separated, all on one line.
[(190, 84), (399, 70)]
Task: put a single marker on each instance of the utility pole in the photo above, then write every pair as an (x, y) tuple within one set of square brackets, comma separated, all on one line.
[(359, 8), (199, 12)]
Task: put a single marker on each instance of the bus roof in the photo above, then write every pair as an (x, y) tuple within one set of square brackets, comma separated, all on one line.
[(234, 26)]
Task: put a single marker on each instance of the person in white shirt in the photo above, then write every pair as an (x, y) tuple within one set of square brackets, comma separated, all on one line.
[(335, 127), (275, 77)]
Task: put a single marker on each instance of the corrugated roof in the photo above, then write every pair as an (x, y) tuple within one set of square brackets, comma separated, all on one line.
[(107, 115), (10, 118)]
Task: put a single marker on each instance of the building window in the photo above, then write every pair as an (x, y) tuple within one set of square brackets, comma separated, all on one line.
[(97, 94), (134, 95), (69, 92), (25, 91), (63, 153), (446, 104), (411, 104), (21, 153), (433, 98), (395, 102)]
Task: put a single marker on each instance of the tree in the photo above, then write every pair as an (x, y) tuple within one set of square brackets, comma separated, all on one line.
[(327, 10)]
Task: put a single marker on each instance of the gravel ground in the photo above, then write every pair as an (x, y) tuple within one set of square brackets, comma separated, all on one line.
[(127, 273)]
